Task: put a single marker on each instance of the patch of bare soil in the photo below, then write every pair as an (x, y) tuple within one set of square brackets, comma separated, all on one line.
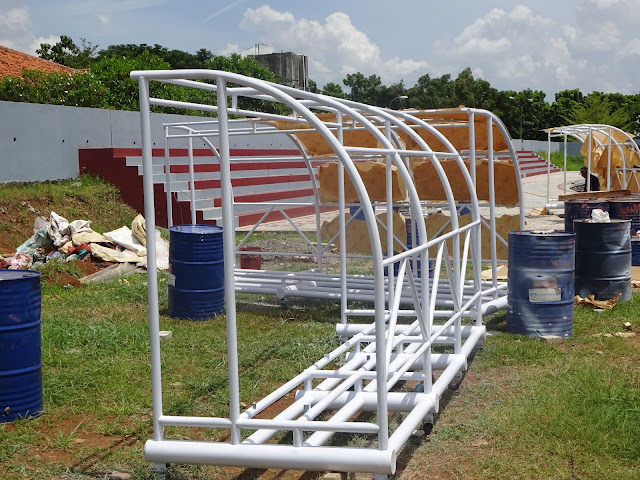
[(73, 442)]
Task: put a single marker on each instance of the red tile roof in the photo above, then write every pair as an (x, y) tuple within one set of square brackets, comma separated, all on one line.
[(13, 62)]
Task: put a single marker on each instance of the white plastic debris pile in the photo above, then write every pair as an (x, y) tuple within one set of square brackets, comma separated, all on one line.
[(600, 216), (59, 238)]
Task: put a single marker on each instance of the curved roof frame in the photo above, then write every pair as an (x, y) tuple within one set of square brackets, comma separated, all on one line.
[(383, 459), (583, 132)]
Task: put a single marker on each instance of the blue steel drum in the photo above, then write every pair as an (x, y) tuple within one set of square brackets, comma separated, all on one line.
[(20, 345), (196, 271), (603, 259), (580, 209), (540, 283), (635, 252), (626, 208)]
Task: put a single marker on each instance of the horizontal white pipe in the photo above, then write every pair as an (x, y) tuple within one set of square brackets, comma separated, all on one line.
[(310, 425), (439, 361), (493, 306), (343, 459), (398, 401), (409, 424), (456, 367), (204, 422), (343, 414), (351, 329)]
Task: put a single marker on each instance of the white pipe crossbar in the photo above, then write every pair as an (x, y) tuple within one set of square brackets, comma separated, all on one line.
[(410, 312)]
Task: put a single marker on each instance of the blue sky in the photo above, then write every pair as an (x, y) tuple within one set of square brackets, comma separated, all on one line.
[(543, 45)]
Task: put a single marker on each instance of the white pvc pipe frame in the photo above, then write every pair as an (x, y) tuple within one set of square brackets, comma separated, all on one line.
[(265, 287), (381, 353), (584, 133)]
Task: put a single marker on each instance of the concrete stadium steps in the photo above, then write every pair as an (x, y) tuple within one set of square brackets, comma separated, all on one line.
[(278, 176), (532, 164)]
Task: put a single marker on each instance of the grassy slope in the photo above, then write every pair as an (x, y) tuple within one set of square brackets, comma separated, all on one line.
[(524, 410), (21, 204)]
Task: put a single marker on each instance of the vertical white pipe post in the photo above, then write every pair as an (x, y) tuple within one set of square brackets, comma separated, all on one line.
[(588, 179), (342, 223), (565, 164), (492, 208), (229, 250), (192, 181), (548, 166), (152, 272), (472, 147), (389, 193), (609, 164), (167, 176)]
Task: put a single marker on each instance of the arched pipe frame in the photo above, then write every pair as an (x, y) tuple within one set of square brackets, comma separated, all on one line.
[(375, 357), (585, 133), (292, 285)]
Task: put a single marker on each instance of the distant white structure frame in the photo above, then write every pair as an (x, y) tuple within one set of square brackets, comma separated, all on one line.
[(585, 133)]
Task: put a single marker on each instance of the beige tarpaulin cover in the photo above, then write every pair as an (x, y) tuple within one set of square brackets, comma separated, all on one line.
[(504, 225), (599, 146), (357, 233), (430, 188), (138, 227), (113, 255), (315, 145), (457, 135), (373, 175)]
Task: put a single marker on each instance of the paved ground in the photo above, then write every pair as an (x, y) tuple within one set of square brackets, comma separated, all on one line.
[(535, 196)]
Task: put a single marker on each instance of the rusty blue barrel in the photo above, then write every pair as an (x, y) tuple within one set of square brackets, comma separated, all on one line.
[(540, 283), (626, 208), (603, 259), (580, 209), (196, 271), (20, 345)]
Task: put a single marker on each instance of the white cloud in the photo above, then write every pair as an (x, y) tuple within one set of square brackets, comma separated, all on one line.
[(523, 48), (632, 48), (15, 25), (105, 19), (14, 18), (335, 47)]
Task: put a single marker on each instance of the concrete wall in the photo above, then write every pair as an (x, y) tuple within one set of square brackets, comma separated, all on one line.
[(41, 142), (292, 67)]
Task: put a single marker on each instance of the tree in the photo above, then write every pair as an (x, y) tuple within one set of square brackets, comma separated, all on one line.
[(367, 90), (66, 52), (597, 108), (333, 90)]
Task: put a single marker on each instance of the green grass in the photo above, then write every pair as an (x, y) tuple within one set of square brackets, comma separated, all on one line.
[(525, 409), (557, 159), (533, 410), (82, 198), (96, 373)]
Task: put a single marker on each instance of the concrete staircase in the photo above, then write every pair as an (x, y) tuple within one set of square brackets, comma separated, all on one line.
[(260, 179), (532, 164)]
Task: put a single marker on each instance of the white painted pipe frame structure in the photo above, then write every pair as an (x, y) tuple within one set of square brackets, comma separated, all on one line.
[(206, 130), (584, 133), (359, 374)]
